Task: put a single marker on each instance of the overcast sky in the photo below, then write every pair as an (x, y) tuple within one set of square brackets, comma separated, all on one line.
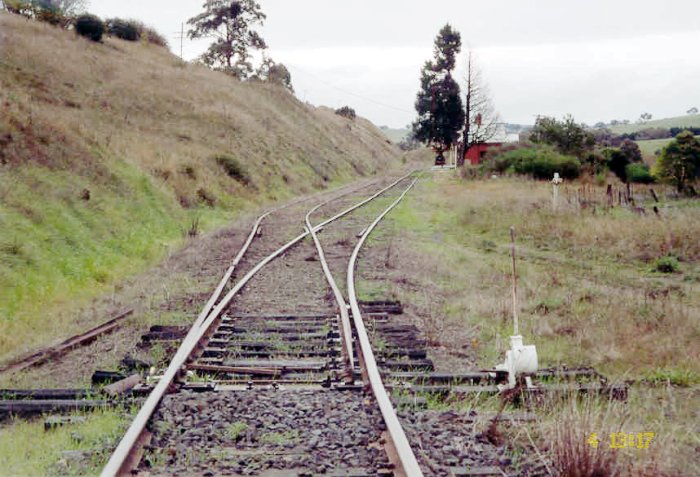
[(597, 60)]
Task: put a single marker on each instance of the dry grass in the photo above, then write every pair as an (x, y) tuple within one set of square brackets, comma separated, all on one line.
[(588, 297), (141, 103)]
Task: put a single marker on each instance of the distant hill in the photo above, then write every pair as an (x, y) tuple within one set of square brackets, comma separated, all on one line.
[(395, 135), (691, 120)]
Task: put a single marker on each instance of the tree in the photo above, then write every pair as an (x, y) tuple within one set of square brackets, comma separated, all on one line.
[(438, 103), (644, 118), (51, 11), (692, 110), (480, 118), (618, 160), (230, 24), (630, 149), (679, 163), (275, 73), (567, 136)]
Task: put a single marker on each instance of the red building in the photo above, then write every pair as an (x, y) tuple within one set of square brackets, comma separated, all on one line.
[(476, 153)]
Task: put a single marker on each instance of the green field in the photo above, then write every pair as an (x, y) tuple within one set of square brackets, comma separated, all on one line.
[(691, 120), (650, 146)]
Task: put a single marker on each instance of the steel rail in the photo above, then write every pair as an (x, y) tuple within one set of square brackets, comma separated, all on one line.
[(339, 299), (408, 462), (120, 457)]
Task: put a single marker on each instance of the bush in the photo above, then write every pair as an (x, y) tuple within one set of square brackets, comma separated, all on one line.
[(123, 29), (152, 36), (134, 30), (90, 27), (233, 168), (346, 112), (638, 173), (538, 162), (667, 264)]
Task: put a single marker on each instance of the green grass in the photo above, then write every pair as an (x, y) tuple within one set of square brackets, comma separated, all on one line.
[(236, 430), (26, 449), (57, 250), (279, 438)]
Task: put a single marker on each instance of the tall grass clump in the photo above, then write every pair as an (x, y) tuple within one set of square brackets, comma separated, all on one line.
[(577, 427), (233, 168)]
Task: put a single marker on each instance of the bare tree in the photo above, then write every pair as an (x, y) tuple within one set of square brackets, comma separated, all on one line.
[(69, 8), (480, 117)]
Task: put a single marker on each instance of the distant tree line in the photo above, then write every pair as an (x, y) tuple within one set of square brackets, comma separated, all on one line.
[(572, 149)]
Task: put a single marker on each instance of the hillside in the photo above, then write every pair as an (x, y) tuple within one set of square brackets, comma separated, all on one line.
[(679, 121), (108, 157)]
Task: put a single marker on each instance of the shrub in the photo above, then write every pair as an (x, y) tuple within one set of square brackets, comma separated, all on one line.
[(233, 168), (90, 27), (538, 162), (152, 36), (616, 162), (134, 30), (638, 173), (346, 112), (123, 29), (667, 264)]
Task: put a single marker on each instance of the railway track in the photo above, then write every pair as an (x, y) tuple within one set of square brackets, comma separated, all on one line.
[(286, 372), (270, 348)]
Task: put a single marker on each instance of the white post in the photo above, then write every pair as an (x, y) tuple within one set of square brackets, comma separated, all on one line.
[(556, 180)]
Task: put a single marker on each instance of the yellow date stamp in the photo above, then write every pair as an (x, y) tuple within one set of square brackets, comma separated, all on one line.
[(623, 440)]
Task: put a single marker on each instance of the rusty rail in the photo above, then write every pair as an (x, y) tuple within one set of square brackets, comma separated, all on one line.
[(63, 347), (340, 301), (120, 461), (408, 465)]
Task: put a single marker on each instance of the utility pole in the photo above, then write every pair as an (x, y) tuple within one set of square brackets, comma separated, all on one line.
[(180, 35)]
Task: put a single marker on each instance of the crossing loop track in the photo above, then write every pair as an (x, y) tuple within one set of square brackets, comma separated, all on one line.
[(125, 456)]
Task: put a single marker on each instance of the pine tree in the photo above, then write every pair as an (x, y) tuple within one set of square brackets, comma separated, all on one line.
[(438, 104)]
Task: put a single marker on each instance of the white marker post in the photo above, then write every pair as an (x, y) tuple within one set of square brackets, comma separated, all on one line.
[(556, 180)]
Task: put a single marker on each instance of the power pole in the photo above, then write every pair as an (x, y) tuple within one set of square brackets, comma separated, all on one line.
[(180, 35)]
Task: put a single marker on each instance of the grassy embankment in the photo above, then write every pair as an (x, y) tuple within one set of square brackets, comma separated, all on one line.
[(107, 159), (589, 296)]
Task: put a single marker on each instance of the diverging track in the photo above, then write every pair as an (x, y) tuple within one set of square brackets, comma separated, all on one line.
[(278, 360)]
